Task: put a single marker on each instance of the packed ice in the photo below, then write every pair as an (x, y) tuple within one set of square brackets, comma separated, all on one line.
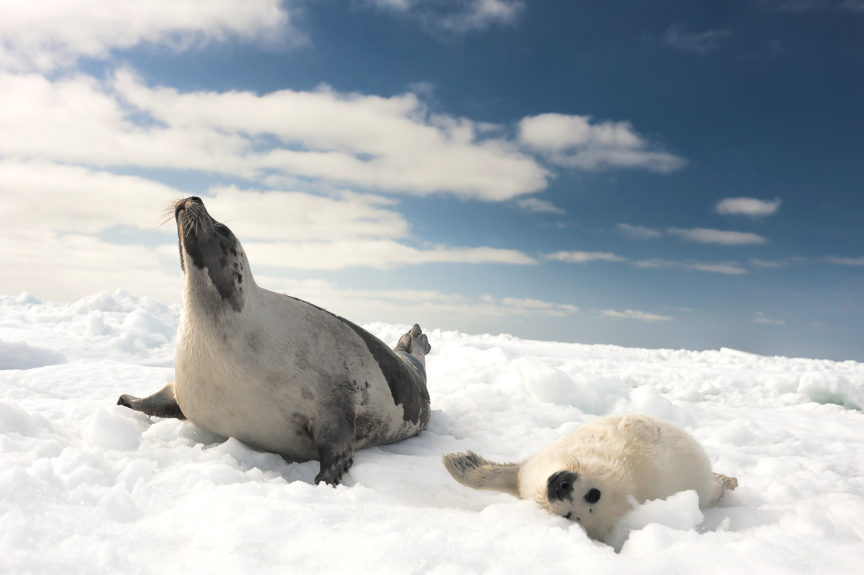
[(87, 486)]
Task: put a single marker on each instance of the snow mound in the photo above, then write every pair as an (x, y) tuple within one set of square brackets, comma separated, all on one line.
[(19, 355)]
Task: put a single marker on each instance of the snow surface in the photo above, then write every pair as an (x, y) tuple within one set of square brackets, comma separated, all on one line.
[(90, 487)]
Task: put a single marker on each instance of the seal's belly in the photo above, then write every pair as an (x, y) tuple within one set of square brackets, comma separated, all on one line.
[(275, 406)]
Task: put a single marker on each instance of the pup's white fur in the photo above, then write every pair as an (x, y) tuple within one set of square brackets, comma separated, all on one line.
[(606, 462)]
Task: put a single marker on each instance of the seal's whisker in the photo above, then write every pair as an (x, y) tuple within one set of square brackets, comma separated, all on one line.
[(168, 212)]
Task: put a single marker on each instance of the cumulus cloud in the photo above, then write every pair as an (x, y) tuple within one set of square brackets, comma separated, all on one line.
[(391, 144), (747, 207), (577, 257), (717, 237), (639, 232), (52, 34), (577, 142), (635, 315), (454, 17), (679, 38)]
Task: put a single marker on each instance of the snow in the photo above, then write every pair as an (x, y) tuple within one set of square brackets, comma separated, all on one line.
[(90, 487)]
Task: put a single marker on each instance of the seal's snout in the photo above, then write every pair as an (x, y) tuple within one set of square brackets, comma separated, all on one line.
[(186, 204), (559, 486)]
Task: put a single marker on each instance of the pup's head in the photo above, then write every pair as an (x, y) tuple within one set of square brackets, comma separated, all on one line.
[(585, 498)]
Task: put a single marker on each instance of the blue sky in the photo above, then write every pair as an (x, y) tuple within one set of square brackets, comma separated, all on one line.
[(656, 174)]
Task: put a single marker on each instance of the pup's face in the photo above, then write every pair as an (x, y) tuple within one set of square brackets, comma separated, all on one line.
[(579, 498)]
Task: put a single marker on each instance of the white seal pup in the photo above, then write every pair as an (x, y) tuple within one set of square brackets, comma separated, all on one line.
[(592, 475), (276, 372)]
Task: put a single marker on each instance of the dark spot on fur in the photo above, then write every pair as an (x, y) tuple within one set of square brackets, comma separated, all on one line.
[(406, 388), (302, 424)]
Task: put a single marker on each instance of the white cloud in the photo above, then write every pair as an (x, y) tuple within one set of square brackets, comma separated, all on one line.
[(304, 217), (390, 144), (760, 317), (846, 261), (724, 268), (777, 264), (454, 16), (718, 237), (428, 307), (747, 207), (371, 253), (635, 315), (577, 257), (639, 232), (575, 142), (537, 206), (527, 306), (677, 37), (56, 221), (51, 34)]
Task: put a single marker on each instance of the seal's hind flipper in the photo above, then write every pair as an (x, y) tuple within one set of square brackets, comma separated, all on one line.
[(415, 342), (722, 484), (160, 404), (477, 472)]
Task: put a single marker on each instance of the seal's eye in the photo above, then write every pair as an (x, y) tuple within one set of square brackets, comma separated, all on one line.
[(593, 496), (221, 229)]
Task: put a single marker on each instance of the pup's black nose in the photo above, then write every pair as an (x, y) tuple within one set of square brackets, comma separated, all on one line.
[(559, 486)]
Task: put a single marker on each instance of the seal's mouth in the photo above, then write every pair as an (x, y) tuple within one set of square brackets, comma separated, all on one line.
[(191, 216), (192, 221)]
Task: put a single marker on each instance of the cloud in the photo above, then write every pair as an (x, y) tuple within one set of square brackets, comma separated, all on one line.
[(777, 264), (575, 142), (760, 317), (390, 144), (639, 232), (428, 307), (747, 207), (537, 206), (454, 17), (372, 253), (845, 261), (724, 268), (526, 306), (677, 37), (576, 257), (62, 222), (718, 237), (53, 34), (635, 314)]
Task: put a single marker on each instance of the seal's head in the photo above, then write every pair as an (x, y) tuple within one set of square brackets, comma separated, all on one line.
[(215, 268), (583, 498)]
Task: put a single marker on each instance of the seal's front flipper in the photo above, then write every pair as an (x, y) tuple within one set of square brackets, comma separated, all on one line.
[(160, 404), (335, 440), (475, 471)]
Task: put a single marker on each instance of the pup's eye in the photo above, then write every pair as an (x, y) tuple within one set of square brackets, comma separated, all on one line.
[(593, 496)]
